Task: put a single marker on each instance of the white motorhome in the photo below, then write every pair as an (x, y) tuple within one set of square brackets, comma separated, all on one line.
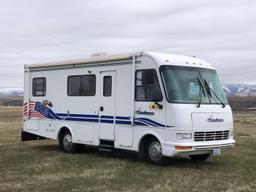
[(159, 105)]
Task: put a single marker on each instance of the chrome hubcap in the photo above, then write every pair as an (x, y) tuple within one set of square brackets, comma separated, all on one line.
[(67, 141), (155, 151)]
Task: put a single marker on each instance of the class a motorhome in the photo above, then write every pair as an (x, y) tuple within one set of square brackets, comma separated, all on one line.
[(159, 105)]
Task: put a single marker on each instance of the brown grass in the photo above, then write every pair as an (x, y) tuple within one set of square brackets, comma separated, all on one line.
[(40, 166)]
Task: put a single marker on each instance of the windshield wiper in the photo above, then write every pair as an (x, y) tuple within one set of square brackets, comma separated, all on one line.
[(209, 90), (201, 92)]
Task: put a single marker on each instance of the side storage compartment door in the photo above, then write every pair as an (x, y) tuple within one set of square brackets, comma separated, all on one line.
[(31, 124)]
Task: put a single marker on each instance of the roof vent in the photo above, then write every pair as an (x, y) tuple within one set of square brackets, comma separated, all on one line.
[(99, 54)]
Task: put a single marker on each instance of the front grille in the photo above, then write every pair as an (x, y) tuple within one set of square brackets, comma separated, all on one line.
[(211, 135)]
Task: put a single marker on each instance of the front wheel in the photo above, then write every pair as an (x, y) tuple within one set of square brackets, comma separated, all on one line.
[(66, 143), (203, 157), (154, 153)]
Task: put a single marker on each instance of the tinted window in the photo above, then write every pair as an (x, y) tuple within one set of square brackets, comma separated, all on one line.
[(147, 86), (82, 85), (107, 86), (39, 87)]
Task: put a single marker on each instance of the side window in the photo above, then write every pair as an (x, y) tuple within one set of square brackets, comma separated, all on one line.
[(107, 86), (82, 85), (39, 87), (147, 86)]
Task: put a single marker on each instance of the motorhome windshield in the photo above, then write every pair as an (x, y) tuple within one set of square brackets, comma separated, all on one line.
[(183, 84)]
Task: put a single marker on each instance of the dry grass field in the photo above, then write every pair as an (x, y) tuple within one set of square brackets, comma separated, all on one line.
[(40, 166)]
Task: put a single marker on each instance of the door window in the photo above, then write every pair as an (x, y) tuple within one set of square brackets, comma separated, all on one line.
[(147, 86), (107, 86)]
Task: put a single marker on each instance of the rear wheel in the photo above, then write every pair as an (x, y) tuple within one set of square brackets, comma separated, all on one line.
[(203, 157), (154, 154), (66, 143)]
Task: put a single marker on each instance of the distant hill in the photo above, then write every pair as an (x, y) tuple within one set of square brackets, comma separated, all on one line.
[(11, 92), (242, 90)]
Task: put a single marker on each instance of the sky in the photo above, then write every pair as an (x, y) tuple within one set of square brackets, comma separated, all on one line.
[(223, 32)]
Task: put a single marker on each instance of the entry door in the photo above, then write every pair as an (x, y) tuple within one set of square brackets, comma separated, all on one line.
[(107, 105)]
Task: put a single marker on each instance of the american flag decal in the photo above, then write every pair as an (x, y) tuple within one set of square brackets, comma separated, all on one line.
[(35, 110)]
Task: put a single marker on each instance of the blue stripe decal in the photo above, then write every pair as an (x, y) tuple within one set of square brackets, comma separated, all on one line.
[(107, 117), (81, 119), (123, 122), (119, 117), (151, 122), (54, 115), (51, 116), (145, 122), (139, 123), (76, 115), (48, 113), (107, 121)]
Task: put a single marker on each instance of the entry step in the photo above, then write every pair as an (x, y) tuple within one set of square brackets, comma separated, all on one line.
[(106, 150), (106, 146)]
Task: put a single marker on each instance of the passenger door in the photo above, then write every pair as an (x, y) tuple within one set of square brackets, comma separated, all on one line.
[(149, 105), (107, 105)]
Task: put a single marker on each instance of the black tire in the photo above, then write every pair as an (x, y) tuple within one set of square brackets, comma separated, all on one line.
[(203, 157), (153, 153), (66, 144)]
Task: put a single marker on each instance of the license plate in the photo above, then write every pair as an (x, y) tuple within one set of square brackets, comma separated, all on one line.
[(216, 151)]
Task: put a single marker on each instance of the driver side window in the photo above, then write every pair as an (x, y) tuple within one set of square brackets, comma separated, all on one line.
[(147, 86)]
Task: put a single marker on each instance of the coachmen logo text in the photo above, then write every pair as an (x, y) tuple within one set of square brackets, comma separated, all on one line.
[(214, 120)]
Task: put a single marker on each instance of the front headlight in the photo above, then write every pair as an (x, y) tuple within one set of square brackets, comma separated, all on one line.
[(183, 136)]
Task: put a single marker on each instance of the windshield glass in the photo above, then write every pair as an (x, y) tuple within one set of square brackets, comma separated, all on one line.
[(210, 76), (182, 85)]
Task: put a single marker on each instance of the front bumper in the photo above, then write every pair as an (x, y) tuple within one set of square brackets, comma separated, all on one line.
[(209, 147), (196, 148)]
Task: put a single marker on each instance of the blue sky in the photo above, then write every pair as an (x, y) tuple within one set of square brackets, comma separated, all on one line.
[(219, 31)]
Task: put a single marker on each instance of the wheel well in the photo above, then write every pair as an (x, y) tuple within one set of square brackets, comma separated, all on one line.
[(143, 143), (63, 130)]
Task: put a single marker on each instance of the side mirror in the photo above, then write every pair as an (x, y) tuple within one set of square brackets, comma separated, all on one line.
[(160, 106)]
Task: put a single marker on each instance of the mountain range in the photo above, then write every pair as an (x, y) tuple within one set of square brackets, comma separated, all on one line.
[(239, 90), (230, 90), (11, 92)]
